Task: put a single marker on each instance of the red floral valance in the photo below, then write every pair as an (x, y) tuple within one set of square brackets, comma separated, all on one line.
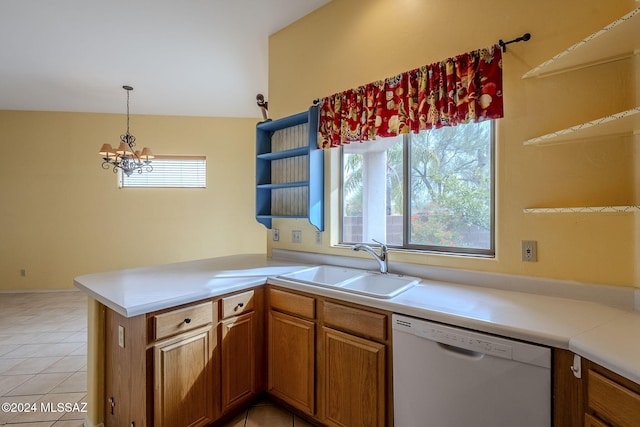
[(466, 88)]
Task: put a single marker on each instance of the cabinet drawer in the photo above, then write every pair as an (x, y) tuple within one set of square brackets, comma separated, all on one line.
[(612, 401), (356, 320), (295, 304), (234, 305), (181, 320)]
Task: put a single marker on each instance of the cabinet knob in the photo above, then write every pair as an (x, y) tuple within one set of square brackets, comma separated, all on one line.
[(240, 305), (187, 320)]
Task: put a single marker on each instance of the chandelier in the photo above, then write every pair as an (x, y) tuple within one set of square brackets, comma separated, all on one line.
[(126, 157)]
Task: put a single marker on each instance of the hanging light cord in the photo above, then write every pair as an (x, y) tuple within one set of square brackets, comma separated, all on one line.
[(127, 138)]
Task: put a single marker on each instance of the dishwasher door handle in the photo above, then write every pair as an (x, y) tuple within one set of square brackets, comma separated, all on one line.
[(459, 351)]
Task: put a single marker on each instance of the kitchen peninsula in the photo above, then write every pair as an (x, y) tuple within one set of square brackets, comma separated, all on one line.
[(217, 309)]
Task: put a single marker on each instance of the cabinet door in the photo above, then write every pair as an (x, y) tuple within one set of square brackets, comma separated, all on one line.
[(591, 421), (239, 352), (183, 379), (291, 356), (353, 380)]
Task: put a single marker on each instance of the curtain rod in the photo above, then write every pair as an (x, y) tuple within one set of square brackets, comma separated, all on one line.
[(525, 37)]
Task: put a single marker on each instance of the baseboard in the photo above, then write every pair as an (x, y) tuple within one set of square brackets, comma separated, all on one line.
[(36, 291)]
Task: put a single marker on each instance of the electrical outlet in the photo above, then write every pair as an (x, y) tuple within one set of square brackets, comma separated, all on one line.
[(296, 236), (275, 234), (529, 251), (121, 336), (318, 237)]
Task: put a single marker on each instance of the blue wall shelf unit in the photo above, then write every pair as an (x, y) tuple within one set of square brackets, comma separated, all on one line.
[(290, 169)]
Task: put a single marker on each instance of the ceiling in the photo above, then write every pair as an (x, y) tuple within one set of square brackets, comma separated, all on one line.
[(182, 57)]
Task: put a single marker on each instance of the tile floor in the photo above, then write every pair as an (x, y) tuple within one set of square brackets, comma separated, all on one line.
[(43, 368), (43, 354), (266, 414)]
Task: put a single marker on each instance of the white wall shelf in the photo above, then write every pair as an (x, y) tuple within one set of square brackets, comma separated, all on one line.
[(586, 209), (618, 40), (623, 123)]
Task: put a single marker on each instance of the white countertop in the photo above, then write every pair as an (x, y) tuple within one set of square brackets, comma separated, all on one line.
[(603, 334), (142, 290)]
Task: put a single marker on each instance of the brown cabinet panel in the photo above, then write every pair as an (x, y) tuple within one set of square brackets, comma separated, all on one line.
[(291, 355), (239, 382), (612, 401), (125, 369), (353, 382), (182, 320), (183, 380), (234, 305), (591, 421), (352, 319), (298, 305), (568, 391)]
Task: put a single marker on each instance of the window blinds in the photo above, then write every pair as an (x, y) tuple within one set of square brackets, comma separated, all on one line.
[(170, 172)]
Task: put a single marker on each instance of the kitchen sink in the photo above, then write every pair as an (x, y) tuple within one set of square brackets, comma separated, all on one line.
[(380, 285), (354, 280), (324, 275)]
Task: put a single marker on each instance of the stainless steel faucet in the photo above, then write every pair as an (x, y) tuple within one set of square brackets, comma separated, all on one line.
[(382, 258)]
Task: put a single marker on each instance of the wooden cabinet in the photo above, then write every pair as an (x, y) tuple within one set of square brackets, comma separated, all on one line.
[(183, 379), (291, 349), (339, 375), (182, 350), (597, 398), (355, 369), (241, 349), (353, 380), (186, 366)]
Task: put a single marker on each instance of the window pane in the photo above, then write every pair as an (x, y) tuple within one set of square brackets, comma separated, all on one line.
[(451, 187), (373, 191)]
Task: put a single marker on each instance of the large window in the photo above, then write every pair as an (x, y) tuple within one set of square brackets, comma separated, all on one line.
[(430, 191)]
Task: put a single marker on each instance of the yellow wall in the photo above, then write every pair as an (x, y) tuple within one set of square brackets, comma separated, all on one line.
[(348, 43), (61, 215)]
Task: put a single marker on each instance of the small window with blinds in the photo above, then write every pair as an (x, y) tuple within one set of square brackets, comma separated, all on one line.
[(170, 172)]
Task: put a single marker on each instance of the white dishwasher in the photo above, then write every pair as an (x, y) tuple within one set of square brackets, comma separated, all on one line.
[(449, 377)]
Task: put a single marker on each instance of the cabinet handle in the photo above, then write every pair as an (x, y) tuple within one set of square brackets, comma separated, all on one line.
[(187, 320), (240, 305), (112, 403)]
